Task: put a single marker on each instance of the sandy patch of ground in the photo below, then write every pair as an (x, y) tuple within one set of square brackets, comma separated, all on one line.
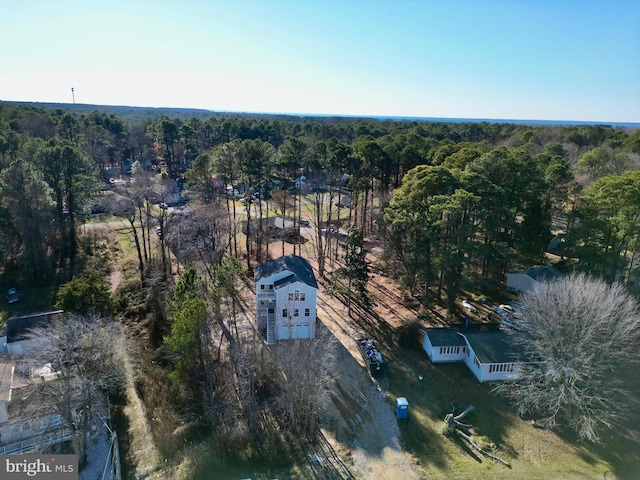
[(361, 425)]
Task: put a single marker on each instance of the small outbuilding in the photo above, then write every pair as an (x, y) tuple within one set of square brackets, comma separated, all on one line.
[(402, 407)]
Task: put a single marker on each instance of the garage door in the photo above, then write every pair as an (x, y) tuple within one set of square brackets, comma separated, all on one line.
[(294, 331), (300, 331)]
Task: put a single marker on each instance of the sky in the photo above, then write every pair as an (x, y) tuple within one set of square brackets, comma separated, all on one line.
[(492, 59)]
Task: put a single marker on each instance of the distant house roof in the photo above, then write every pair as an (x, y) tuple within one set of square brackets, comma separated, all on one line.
[(494, 347), (18, 327), (298, 266), (541, 272)]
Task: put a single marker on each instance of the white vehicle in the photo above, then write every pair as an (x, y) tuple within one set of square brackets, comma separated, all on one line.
[(467, 306)]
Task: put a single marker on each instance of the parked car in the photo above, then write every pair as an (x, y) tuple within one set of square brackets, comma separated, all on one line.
[(164, 206), (13, 296), (303, 222)]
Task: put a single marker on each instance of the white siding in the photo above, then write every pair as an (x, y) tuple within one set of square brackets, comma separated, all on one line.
[(426, 345), (15, 348), (442, 354), (489, 372), (291, 310)]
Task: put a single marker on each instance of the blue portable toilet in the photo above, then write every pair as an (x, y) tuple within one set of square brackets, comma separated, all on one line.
[(402, 407)]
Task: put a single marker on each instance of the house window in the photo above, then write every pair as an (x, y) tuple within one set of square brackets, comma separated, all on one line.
[(270, 287), (306, 312), (271, 310), (261, 302), (475, 360), (296, 296), (284, 312), (261, 287), (295, 312)]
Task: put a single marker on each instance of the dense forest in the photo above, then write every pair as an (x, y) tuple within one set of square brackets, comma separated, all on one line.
[(449, 200), (452, 206)]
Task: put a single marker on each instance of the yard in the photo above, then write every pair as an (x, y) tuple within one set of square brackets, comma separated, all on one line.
[(365, 436), (360, 425)]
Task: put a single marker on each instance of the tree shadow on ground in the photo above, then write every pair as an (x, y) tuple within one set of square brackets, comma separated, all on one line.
[(445, 388)]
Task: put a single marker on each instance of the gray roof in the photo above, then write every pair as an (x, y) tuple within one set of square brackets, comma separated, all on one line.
[(19, 327), (298, 266), (495, 347), (542, 272), (445, 337)]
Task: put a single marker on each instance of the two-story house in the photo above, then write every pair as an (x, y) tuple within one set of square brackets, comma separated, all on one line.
[(286, 290)]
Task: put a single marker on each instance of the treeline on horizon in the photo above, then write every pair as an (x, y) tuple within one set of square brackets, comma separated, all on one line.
[(53, 162)]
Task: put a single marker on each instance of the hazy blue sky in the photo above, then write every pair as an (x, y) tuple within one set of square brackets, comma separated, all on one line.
[(509, 59)]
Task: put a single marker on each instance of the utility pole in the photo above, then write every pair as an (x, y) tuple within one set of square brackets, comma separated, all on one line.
[(73, 96)]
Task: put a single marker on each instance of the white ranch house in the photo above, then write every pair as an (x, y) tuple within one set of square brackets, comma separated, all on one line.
[(489, 355), (286, 291)]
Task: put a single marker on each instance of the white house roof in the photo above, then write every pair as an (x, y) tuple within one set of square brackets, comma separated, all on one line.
[(299, 267)]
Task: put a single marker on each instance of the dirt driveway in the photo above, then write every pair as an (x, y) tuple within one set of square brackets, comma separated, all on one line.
[(360, 423)]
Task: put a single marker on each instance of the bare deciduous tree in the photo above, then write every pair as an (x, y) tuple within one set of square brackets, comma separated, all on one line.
[(198, 236), (585, 333), (85, 358), (303, 374)]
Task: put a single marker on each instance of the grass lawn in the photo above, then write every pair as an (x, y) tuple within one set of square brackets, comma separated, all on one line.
[(531, 453)]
